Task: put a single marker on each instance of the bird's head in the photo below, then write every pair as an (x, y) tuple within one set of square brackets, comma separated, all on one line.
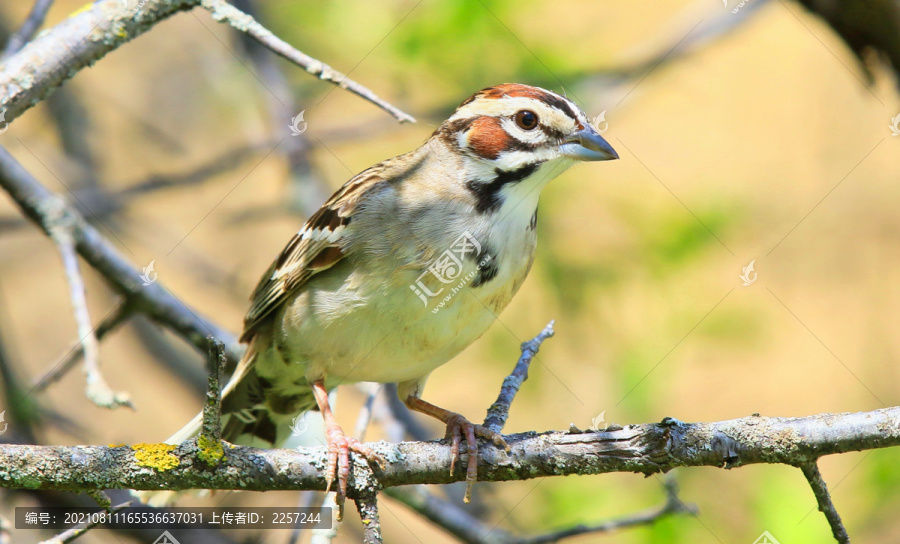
[(512, 132)]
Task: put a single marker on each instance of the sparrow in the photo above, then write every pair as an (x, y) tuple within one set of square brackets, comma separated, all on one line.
[(406, 265)]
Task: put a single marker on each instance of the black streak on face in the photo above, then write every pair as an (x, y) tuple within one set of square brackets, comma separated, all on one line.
[(487, 194), (449, 131)]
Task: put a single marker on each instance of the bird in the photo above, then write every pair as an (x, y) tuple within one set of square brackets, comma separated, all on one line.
[(406, 265)]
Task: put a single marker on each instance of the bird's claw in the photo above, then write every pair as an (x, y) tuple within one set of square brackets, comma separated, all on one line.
[(457, 427), (338, 463)]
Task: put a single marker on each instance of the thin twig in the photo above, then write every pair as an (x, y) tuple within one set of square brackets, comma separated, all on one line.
[(154, 300), (367, 503), (97, 390), (223, 11), (672, 506), (394, 418), (365, 413), (471, 530), (75, 532), (73, 354), (820, 489), (367, 506), (56, 55), (28, 29), (448, 515), (210, 431), (499, 411)]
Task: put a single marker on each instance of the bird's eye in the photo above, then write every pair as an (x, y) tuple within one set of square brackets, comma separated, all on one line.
[(526, 119)]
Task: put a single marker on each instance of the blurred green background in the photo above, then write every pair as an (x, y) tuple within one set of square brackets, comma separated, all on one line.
[(742, 137)]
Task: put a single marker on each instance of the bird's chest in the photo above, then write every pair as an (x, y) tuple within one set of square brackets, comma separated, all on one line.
[(409, 307)]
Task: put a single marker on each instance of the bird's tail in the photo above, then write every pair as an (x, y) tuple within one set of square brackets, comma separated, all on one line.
[(248, 418)]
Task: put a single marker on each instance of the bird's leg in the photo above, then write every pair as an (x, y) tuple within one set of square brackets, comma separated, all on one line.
[(339, 446), (457, 425)]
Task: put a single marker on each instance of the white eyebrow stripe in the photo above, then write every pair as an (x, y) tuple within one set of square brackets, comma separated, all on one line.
[(507, 106)]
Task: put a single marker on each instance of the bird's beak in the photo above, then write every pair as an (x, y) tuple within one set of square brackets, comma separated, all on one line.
[(588, 145)]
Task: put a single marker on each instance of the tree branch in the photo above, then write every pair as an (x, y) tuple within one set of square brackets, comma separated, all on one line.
[(223, 11), (111, 322), (367, 505), (499, 411), (814, 477), (28, 29), (36, 202), (646, 448), (97, 390), (30, 75), (211, 431)]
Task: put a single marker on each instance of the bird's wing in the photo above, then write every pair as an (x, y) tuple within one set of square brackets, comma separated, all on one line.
[(317, 247)]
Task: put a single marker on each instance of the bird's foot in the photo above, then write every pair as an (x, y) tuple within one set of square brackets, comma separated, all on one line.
[(457, 427), (338, 463)]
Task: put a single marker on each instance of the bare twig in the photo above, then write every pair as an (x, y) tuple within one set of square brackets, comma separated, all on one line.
[(499, 411), (672, 506), (222, 162), (471, 530), (367, 505), (28, 29), (47, 61), (154, 299), (365, 413), (449, 516), (73, 354), (223, 11), (75, 532), (306, 187), (211, 431), (814, 477), (97, 390), (394, 417)]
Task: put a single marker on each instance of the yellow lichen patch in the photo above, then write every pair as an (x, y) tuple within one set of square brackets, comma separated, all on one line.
[(116, 445), (211, 451), (156, 456), (82, 9)]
